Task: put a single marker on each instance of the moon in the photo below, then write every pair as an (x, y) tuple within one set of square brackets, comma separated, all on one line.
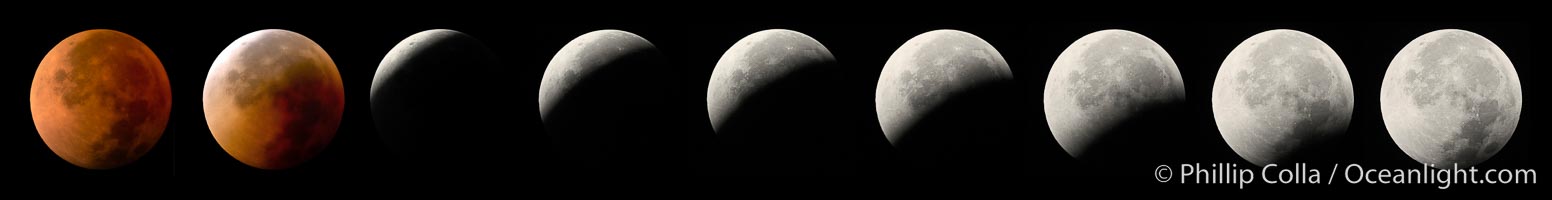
[(1105, 78), (1451, 97), (1279, 92), (100, 99), (427, 95), (603, 95), (774, 107), (929, 69), (273, 99), (754, 63), (580, 58)]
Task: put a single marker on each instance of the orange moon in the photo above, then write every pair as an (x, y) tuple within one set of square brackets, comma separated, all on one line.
[(273, 99), (100, 99)]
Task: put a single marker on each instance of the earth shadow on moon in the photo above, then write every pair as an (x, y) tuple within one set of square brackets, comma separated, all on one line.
[(611, 121), (1143, 138), (794, 125), (433, 105), (971, 132)]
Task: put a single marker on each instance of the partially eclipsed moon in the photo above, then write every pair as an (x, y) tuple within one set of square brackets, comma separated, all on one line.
[(927, 70), (1451, 97), (756, 61), (1102, 79), (603, 95), (429, 98), (1278, 92), (100, 99), (273, 99), (584, 57)]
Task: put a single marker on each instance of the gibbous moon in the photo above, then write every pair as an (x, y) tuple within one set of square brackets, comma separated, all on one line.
[(1279, 92), (928, 70), (1103, 79), (753, 63), (428, 96), (1451, 97), (273, 99), (100, 99)]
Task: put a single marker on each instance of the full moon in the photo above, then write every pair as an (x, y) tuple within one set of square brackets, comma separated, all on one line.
[(1279, 92), (273, 99), (928, 70), (1451, 97), (1105, 78), (100, 99)]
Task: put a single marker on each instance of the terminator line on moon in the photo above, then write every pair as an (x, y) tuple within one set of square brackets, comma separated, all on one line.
[(273, 99), (1281, 92), (1451, 97), (926, 70), (100, 99), (1104, 78)]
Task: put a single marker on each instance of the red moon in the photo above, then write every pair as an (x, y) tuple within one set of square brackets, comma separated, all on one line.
[(273, 99), (100, 99)]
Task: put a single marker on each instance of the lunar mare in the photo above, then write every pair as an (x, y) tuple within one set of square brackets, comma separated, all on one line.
[(1279, 92), (928, 69), (100, 99), (273, 99), (1102, 79), (753, 63), (1451, 97)]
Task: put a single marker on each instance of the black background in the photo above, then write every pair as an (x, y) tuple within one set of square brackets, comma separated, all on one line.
[(525, 42)]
